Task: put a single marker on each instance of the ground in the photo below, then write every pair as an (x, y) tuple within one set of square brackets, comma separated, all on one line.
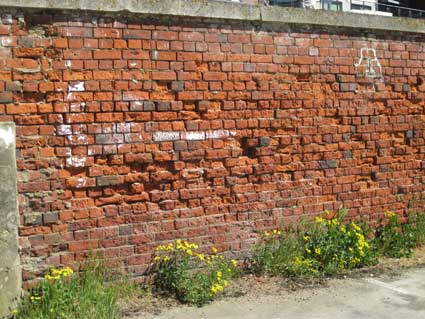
[(394, 289)]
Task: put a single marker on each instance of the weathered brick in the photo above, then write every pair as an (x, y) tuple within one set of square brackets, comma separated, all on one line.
[(133, 133)]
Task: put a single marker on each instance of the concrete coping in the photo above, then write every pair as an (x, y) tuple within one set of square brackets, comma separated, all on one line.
[(229, 11)]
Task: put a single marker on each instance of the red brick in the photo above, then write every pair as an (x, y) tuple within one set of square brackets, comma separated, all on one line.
[(182, 131), (22, 108), (164, 76), (28, 52), (107, 54)]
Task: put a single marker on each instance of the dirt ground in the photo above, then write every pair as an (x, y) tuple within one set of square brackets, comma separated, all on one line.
[(250, 290)]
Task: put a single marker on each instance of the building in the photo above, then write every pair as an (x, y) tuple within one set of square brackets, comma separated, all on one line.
[(403, 8)]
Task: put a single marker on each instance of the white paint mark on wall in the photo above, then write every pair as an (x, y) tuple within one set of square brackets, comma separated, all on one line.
[(68, 64), (63, 130), (79, 139), (123, 127), (76, 161), (219, 134), (6, 41), (7, 136), (155, 55), (192, 135), (76, 87), (166, 136), (81, 182), (368, 64)]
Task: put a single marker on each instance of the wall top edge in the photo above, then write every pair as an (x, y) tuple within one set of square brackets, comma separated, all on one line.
[(228, 11)]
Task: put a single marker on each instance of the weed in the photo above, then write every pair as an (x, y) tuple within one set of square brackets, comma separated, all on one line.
[(320, 249), (280, 253), (337, 245), (62, 294), (193, 277), (396, 239)]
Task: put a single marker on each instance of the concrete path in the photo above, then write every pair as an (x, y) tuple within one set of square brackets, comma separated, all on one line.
[(368, 298)]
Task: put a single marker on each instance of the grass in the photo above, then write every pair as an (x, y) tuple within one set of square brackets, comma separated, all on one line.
[(92, 293)]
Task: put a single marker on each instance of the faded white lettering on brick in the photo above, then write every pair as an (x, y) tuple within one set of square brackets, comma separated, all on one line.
[(219, 134), (166, 136), (192, 135)]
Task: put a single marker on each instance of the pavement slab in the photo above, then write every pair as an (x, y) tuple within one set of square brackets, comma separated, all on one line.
[(398, 297)]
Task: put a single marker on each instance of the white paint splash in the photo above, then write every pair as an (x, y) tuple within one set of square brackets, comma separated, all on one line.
[(7, 136), (76, 161), (64, 129), (68, 64), (6, 41), (76, 87), (81, 182), (69, 96)]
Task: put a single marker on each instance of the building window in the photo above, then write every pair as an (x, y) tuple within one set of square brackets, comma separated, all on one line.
[(355, 6), (332, 5)]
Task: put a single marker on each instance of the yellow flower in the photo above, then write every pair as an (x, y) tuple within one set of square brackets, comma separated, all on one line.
[(167, 258), (14, 312), (308, 250), (389, 214), (234, 262), (216, 288), (266, 233), (201, 257), (157, 258), (35, 298), (355, 227), (318, 220), (306, 238), (219, 274), (214, 250), (317, 251)]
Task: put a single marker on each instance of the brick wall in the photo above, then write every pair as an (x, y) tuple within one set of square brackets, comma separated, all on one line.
[(133, 131)]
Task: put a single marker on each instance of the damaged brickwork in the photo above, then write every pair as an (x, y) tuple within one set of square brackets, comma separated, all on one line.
[(133, 130)]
